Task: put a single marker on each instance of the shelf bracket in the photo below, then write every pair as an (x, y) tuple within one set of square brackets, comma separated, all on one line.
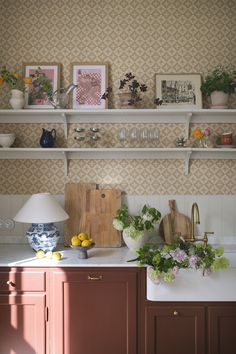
[(186, 162), (66, 163), (64, 119), (187, 123)]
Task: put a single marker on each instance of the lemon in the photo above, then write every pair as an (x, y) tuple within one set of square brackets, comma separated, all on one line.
[(75, 241), (83, 236), (49, 254), (57, 256), (40, 254), (86, 243)]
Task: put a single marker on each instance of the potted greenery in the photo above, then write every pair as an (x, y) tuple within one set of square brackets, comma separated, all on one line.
[(135, 228), (219, 84), (131, 90)]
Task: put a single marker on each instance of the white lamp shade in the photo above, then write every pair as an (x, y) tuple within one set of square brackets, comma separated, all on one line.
[(41, 208)]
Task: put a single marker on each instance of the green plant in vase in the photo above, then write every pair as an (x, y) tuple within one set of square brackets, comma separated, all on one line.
[(219, 84)]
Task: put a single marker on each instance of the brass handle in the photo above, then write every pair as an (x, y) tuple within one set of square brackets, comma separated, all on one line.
[(95, 278), (175, 313), (9, 282)]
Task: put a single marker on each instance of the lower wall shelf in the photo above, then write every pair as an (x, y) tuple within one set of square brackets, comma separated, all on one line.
[(67, 154)]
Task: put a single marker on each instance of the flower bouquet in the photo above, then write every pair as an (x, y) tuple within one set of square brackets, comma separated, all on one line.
[(165, 262), (201, 136)]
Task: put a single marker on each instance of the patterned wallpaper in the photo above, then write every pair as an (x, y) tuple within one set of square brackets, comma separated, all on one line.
[(145, 37)]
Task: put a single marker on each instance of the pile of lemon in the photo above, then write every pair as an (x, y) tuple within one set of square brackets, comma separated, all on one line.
[(81, 239)]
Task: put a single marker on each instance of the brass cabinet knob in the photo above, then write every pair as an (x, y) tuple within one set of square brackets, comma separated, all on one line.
[(175, 313)]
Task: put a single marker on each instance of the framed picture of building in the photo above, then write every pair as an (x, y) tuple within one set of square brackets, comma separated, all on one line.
[(42, 79), (179, 90), (92, 80)]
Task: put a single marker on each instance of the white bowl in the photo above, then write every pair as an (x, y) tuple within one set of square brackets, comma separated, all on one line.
[(6, 140)]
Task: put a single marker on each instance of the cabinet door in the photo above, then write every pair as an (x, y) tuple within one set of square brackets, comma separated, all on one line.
[(178, 330), (222, 329), (22, 324), (94, 311)]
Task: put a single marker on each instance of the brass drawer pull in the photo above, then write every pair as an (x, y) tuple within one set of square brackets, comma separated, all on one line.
[(9, 282), (95, 278), (175, 313)]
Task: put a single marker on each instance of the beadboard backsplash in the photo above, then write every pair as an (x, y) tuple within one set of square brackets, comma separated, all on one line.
[(217, 214)]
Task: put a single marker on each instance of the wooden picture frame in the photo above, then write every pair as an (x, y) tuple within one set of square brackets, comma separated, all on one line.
[(35, 95), (179, 90), (92, 80)]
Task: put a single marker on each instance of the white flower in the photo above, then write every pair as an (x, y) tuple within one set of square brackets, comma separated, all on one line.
[(130, 231), (147, 217), (117, 224)]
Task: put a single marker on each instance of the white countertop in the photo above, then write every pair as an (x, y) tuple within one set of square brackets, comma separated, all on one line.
[(13, 255)]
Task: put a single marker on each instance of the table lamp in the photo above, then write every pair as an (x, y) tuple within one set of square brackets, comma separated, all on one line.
[(42, 210)]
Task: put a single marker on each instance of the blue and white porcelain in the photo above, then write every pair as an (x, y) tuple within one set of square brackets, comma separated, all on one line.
[(43, 237)]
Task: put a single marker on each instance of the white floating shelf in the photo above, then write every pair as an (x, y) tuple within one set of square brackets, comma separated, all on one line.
[(67, 154), (159, 115)]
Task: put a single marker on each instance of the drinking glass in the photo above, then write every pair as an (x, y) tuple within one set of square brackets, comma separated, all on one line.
[(144, 134), (133, 135), (122, 135), (154, 135)]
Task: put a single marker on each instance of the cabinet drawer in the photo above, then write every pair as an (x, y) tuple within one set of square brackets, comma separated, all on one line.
[(25, 280)]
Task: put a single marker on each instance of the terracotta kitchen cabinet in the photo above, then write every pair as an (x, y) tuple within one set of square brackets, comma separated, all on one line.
[(221, 328), (94, 311), (22, 311), (174, 329)]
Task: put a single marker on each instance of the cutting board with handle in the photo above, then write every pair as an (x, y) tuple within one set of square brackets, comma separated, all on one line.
[(75, 206), (101, 207), (174, 224)]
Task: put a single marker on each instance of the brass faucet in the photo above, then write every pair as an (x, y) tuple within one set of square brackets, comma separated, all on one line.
[(194, 207), (197, 221)]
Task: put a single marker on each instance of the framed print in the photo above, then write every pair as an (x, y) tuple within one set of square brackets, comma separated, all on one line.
[(42, 80), (179, 90), (92, 83)]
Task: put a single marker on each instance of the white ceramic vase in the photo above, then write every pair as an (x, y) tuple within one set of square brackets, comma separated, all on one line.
[(219, 100), (17, 100), (135, 243)]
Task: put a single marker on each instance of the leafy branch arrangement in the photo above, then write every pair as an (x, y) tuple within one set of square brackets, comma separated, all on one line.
[(13, 80), (166, 261), (135, 225), (134, 87), (41, 85)]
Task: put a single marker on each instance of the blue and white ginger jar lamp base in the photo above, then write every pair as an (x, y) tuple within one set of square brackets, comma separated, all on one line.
[(43, 237)]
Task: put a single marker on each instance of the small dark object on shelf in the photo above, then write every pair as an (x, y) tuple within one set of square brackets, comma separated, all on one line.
[(106, 93), (158, 102)]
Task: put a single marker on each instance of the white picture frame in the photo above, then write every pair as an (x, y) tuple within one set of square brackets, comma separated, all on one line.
[(179, 90), (91, 79)]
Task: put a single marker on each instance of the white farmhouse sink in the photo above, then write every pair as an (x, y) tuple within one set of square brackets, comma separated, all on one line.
[(190, 285)]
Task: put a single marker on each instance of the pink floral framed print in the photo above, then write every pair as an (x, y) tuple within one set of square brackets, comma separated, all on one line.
[(92, 83), (42, 79)]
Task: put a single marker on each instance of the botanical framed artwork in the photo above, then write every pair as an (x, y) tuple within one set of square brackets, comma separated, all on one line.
[(42, 79), (91, 79), (179, 90)]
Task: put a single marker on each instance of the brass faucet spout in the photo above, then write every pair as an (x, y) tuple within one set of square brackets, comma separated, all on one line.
[(193, 221)]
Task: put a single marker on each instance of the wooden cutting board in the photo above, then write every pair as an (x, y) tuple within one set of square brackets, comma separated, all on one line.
[(173, 224), (75, 206), (101, 207)]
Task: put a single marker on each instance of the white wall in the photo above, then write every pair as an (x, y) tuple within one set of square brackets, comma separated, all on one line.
[(217, 213)]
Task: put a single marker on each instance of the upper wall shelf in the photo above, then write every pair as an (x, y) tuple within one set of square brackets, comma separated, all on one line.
[(158, 115)]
